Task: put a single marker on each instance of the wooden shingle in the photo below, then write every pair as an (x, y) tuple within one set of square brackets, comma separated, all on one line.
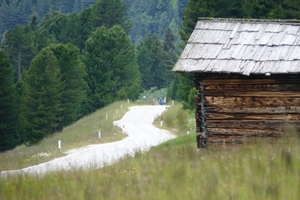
[(240, 40)]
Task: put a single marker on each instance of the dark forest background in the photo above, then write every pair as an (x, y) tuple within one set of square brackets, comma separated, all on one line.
[(61, 60)]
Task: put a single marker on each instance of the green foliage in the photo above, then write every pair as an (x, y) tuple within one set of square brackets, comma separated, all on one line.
[(279, 9), (190, 103), (154, 17), (156, 60), (76, 28), (153, 94), (111, 67), (53, 90), (19, 45), (109, 13), (73, 74), (8, 114), (13, 13), (177, 120), (41, 99), (150, 61), (290, 8)]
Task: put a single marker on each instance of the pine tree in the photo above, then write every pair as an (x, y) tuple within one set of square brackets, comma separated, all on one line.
[(73, 74), (8, 114), (291, 9), (41, 99), (109, 13), (111, 67), (19, 45), (170, 56), (150, 58)]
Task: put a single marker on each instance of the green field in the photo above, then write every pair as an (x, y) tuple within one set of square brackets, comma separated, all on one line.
[(176, 170), (83, 132)]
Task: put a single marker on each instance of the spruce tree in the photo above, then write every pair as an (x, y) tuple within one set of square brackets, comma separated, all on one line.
[(8, 114), (109, 13), (111, 67), (73, 74), (19, 45), (41, 99), (170, 56), (151, 61)]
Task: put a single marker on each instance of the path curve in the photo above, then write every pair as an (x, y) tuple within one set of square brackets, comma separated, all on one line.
[(137, 123)]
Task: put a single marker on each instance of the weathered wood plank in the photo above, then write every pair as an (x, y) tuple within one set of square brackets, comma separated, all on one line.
[(236, 107), (253, 124), (249, 81), (234, 139), (243, 132), (225, 139), (245, 109), (258, 102), (252, 116), (253, 88), (246, 93)]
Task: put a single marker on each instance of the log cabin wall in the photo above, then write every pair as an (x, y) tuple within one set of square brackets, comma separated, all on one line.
[(247, 72), (231, 107)]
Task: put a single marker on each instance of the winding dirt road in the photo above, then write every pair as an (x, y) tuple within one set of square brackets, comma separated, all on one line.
[(142, 135)]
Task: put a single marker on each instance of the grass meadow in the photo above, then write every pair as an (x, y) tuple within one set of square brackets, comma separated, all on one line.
[(176, 170), (82, 133)]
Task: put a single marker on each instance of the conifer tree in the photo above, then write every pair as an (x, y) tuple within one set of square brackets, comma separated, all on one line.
[(170, 56), (18, 43), (8, 114), (41, 99), (150, 58), (111, 68), (73, 74), (109, 13)]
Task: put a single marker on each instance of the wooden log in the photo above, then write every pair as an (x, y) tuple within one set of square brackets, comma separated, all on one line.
[(250, 81), (253, 88), (252, 116), (259, 102), (239, 93), (243, 132), (246, 109), (235, 139), (225, 139), (253, 124)]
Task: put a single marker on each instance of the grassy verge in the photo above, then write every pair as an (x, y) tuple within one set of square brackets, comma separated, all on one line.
[(83, 132), (176, 170), (176, 120)]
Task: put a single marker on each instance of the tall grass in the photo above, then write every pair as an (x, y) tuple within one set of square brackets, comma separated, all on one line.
[(83, 132), (176, 170), (177, 120)]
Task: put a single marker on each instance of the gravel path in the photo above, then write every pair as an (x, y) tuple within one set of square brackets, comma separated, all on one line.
[(137, 123)]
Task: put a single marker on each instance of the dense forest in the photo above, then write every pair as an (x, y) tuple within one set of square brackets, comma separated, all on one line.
[(146, 16), (61, 60)]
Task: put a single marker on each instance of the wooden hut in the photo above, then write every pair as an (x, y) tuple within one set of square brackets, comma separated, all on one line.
[(247, 73)]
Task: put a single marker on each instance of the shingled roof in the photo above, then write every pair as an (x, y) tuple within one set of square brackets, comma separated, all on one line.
[(242, 46)]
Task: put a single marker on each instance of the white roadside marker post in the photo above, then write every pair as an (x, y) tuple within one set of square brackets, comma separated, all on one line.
[(59, 145), (106, 117), (99, 135)]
